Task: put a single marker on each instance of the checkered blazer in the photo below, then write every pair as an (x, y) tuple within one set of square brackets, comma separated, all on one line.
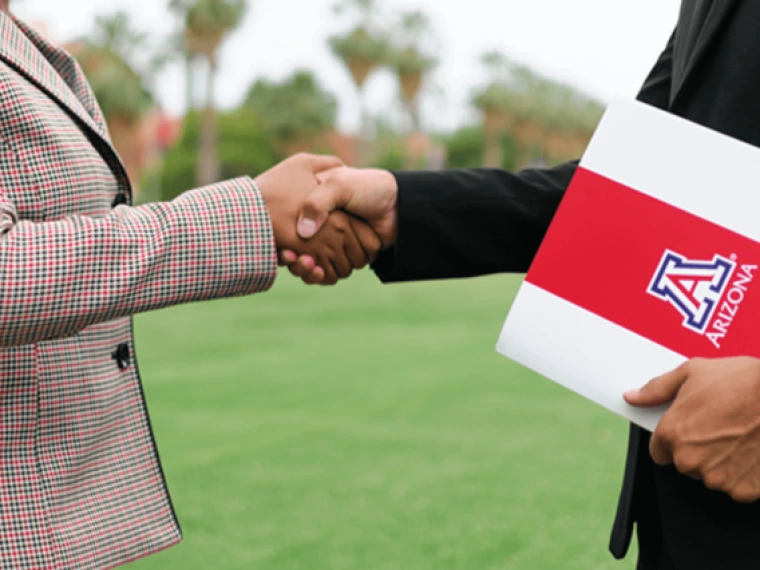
[(81, 485)]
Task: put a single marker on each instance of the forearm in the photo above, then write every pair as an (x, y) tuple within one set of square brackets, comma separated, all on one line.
[(62, 276), (462, 223)]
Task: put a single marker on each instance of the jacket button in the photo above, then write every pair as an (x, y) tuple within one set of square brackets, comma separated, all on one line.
[(120, 200), (121, 356)]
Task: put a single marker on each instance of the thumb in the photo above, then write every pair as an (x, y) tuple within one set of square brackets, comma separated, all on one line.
[(659, 391), (325, 198)]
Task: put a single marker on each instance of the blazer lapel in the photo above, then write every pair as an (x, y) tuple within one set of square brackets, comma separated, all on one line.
[(716, 17), (50, 69)]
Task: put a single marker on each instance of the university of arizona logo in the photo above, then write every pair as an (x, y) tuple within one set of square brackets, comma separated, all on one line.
[(708, 294), (694, 288)]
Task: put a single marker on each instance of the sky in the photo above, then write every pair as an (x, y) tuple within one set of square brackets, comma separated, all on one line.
[(604, 47)]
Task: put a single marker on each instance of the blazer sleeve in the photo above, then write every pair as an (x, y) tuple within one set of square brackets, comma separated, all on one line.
[(61, 276), (463, 223)]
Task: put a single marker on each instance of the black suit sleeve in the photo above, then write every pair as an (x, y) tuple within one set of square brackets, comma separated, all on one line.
[(462, 223)]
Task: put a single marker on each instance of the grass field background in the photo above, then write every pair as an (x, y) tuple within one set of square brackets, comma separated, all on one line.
[(372, 427)]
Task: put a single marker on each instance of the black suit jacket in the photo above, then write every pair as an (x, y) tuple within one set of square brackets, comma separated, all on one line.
[(464, 223)]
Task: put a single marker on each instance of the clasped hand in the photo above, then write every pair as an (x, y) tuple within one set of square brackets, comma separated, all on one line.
[(307, 197)]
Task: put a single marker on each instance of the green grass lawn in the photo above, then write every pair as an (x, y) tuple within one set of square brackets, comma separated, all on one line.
[(372, 427)]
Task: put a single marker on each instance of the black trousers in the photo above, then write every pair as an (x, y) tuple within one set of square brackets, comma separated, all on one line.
[(653, 551)]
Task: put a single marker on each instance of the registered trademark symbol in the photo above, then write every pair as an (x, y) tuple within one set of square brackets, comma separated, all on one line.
[(734, 257)]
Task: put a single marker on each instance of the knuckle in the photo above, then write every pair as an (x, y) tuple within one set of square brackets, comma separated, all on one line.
[(659, 459), (311, 278), (342, 270), (666, 431), (743, 494), (694, 364), (374, 246), (329, 275), (327, 179), (339, 179), (657, 449), (661, 446), (686, 462), (715, 480), (339, 221)]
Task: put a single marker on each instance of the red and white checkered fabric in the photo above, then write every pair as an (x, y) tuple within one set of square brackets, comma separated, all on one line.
[(80, 481)]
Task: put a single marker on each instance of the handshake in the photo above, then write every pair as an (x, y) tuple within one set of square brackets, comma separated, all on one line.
[(329, 219)]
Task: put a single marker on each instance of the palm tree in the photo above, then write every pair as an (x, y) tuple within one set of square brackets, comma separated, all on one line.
[(559, 112), (115, 33), (179, 45), (362, 50), (547, 118), (107, 60), (207, 23), (497, 102), (533, 112), (297, 110), (411, 62)]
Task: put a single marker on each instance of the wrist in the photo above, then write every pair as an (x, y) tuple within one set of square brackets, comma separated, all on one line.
[(393, 216), (258, 187), (273, 206)]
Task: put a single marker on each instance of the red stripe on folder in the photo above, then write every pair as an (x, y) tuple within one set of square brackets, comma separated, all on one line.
[(605, 246)]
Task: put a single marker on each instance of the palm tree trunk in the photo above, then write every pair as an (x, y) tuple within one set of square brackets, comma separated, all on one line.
[(411, 83), (495, 124), (494, 152), (189, 83), (413, 108), (208, 159), (125, 137), (363, 149)]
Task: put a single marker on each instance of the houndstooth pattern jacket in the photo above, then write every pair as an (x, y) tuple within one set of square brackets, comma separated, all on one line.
[(81, 485)]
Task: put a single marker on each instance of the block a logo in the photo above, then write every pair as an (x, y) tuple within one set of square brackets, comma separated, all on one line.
[(694, 288)]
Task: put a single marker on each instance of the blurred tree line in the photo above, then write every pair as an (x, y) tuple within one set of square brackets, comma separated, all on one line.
[(526, 118)]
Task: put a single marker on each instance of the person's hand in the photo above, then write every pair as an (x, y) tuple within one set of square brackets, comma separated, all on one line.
[(344, 244), (711, 431), (370, 194)]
